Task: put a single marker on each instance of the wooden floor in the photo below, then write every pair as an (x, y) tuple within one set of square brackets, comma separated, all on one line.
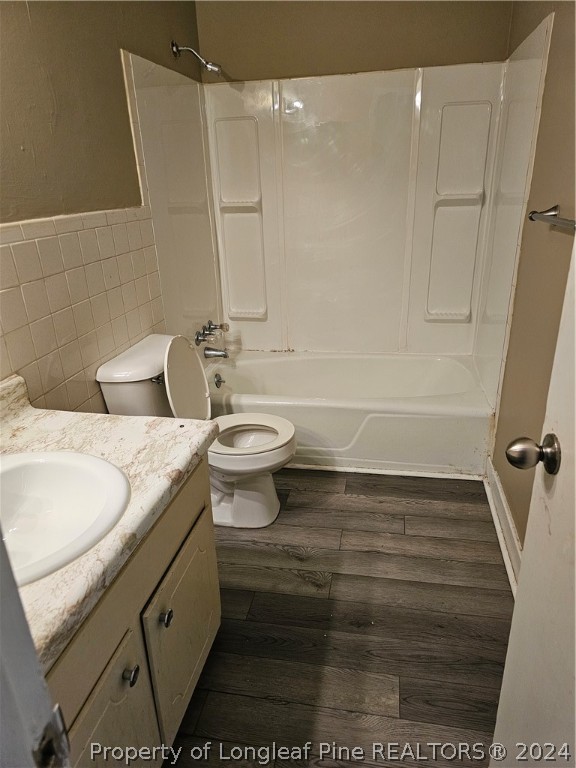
[(375, 609)]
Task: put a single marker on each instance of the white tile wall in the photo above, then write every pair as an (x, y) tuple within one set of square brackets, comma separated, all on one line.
[(71, 301)]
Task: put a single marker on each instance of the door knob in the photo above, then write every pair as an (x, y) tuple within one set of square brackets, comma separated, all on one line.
[(524, 453)]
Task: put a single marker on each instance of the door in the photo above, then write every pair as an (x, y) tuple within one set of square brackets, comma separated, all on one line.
[(537, 698), (31, 731), (120, 709)]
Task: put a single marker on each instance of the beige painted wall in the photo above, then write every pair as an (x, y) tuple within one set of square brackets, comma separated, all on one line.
[(544, 255), (65, 143), (277, 39)]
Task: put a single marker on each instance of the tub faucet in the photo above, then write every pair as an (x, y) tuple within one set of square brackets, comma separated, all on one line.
[(210, 352), (208, 332)]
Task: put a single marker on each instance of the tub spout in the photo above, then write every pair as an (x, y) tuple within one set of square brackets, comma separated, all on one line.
[(210, 352)]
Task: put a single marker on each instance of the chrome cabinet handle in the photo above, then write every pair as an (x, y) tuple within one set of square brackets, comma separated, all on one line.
[(524, 453), (131, 675), (166, 618)]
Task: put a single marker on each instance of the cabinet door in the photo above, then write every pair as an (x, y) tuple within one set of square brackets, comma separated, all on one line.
[(117, 714), (178, 642)]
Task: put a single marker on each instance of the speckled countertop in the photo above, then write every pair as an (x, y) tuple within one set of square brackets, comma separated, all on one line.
[(156, 454)]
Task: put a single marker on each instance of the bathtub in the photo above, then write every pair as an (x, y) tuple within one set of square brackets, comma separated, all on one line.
[(385, 413)]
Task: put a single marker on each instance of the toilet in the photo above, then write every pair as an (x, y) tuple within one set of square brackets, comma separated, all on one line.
[(163, 375)]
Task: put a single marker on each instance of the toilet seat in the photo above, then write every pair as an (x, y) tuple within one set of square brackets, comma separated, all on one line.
[(239, 428), (241, 434)]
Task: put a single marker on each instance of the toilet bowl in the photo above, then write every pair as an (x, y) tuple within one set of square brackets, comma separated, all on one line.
[(163, 376)]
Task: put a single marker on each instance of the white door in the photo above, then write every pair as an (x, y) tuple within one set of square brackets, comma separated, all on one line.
[(537, 699), (31, 731)]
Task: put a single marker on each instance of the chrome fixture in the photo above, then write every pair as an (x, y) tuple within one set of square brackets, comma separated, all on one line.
[(131, 675), (166, 618), (201, 336), (210, 352), (218, 380), (211, 327), (208, 332), (551, 216), (524, 453), (210, 66)]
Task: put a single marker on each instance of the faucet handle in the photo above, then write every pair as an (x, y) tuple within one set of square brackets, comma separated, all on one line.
[(204, 335), (211, 327)]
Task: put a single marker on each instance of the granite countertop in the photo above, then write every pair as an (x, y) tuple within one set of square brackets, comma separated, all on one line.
[(156, 454)]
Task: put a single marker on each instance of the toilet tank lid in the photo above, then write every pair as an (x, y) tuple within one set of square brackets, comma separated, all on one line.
[(142, 361)]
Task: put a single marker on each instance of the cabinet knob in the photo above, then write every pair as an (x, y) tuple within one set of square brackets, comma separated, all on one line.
[(131, 675), (167, 617)]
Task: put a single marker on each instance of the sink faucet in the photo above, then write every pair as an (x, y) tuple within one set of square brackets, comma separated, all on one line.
[(210, 352)]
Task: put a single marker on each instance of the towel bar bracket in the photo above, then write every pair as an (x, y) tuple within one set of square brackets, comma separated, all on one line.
[(551, 216)]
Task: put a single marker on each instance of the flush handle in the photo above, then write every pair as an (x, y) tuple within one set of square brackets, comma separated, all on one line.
[(524, 453)]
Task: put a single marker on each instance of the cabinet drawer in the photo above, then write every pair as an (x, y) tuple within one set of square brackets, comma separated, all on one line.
[(117, 714), (177, 652)]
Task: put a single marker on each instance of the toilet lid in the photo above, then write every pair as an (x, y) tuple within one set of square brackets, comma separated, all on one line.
[(186, 383)]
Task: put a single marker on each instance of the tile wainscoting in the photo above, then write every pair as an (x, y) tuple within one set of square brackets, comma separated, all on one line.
[(75, 291)]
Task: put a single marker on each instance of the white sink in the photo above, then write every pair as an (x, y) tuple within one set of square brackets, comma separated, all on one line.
[(55, 506)]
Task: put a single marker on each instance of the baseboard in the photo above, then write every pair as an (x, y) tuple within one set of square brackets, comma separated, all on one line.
[(504, 524)]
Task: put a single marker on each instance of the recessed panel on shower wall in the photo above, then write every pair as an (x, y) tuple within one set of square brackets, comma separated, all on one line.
[(345, 166), (464, 131), (241, 218), (455, 158), (238, 162), (243, 158), (245, 276), (452, 261)]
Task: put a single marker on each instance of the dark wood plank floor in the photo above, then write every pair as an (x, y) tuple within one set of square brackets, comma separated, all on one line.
[(375, 609)]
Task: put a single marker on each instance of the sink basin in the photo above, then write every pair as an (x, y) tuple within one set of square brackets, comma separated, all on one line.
[(55, 506)]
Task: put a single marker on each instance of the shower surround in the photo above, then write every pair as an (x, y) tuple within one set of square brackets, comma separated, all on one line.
[(374, 215)]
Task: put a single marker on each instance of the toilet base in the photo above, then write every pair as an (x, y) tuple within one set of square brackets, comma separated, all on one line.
[(250, 502)]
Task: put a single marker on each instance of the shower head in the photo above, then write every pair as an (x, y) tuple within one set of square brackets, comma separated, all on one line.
[(209, 66)]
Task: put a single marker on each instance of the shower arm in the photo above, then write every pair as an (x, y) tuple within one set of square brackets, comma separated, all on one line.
[(208, 65)]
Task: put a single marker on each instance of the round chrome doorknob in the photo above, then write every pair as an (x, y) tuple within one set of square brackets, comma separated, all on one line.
[(167, 617), (524, 453), (131, 675)]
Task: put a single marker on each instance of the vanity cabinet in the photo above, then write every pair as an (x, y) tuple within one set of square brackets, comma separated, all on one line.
[(178, 624), (160, 614)]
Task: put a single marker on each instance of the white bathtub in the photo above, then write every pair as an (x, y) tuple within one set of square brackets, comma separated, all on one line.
[(389, 413)]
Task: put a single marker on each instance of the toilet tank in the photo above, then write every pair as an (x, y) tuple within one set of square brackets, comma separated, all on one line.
[(132, 383)]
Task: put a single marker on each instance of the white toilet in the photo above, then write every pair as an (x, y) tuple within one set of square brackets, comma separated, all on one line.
[(163, 376)]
